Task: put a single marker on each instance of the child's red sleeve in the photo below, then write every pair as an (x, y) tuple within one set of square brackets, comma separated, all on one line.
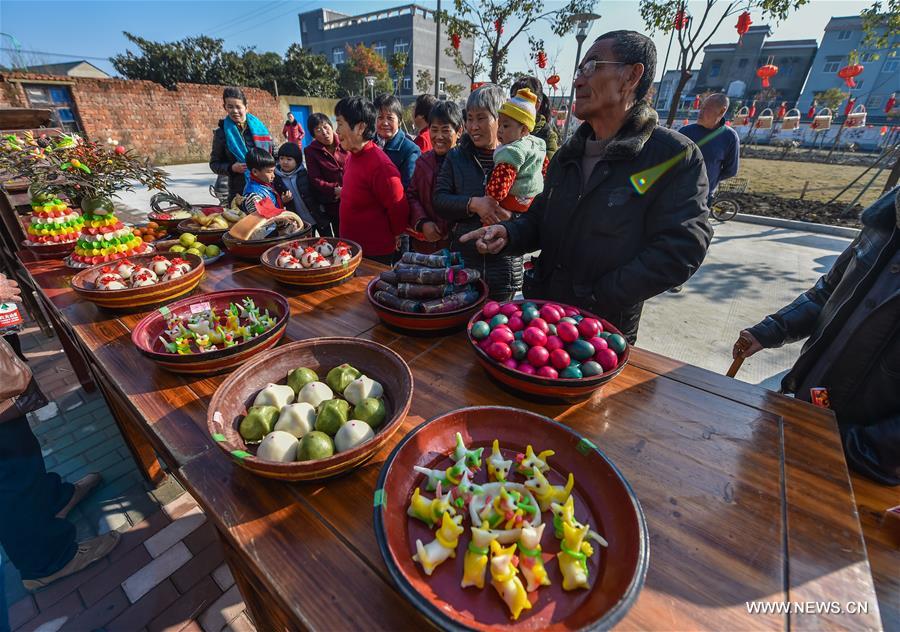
[(502, 178), (544, 167)]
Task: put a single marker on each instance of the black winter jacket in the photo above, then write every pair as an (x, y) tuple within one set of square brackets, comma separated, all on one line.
[(220, 159), (605, 247), (864, 380), (462, 178)]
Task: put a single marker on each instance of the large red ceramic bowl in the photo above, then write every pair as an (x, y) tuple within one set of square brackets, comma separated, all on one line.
[(235, 395), (426, 323), (252, 249), (602, 498), (310, 278), (168, 218), (568, 389), (146, 334), (141, 297)]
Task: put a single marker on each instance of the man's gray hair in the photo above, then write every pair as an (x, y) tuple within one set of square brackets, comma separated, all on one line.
[(488, 97), (718, 98)]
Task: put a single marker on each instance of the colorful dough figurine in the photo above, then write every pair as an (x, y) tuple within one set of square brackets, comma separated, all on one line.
[(472, 457), (433, 554), (498, 467), (476, 558), (573, 555), (284, 257), (505, 579), (545, 493), (449, 477), (111, 281), (566, 513), (427, 510), (465, 491), (324, 247), (528, 461), (532, 561)]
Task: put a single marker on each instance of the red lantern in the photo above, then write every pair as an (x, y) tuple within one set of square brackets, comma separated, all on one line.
[(541, 59), (883, 130), (475, 85), (743, 25), (681, 19), (684, 122), (812, 110), (498, 26), (455, 40), (766, 72), (696, 104), (552, 80), (847, 73), (752, 111), (782, 110), (891, 102), (849, 107)]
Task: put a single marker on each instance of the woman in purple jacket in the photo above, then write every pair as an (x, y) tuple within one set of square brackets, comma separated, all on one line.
[(325, 165)]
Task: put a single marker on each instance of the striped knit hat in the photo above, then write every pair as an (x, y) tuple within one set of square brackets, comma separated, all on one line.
[(522, 108)]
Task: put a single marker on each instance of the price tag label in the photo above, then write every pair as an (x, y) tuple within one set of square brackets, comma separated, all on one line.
[(9, 315), (196, 308)]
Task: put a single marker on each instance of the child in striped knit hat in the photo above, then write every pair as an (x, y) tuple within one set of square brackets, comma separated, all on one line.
[(520, 161)]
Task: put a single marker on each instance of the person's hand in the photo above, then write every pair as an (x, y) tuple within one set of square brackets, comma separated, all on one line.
[(746, 345), (287, 196), (9, 289), (489, 240), (488, 209), (337, 192), (431, 231), (239, 167)]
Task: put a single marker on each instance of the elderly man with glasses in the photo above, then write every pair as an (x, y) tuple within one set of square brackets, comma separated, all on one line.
[(623, 215)]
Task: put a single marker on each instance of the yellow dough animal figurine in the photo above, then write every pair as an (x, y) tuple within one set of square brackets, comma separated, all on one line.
[(573, 555), (566, 513), (476, 558), (532, 562), (449, 477), (545, 493), (433, 554), (529, 461), (505, 580), (428, 510), (498, 467)]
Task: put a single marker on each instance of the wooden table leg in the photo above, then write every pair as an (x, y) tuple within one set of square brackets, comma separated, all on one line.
[(73, 353), (262, 609), (141, 449)]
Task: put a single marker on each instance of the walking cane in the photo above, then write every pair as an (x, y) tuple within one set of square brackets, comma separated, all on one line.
[(740, 347)]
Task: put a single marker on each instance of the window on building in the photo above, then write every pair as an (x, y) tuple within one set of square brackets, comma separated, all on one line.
[(891, 65), (832, 64), (56, 98), (868, 57), (337, 56), (715, 68), (407, 83), (844, 35), (786, 68), (442, 85), (380, 49), (303, 26), (875, 103), (401, 45), (859, 85), (742, 63)]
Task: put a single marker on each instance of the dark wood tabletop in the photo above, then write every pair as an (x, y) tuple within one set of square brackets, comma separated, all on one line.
[(746, 492)]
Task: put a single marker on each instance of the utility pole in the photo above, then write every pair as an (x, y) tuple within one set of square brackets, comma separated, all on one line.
[(584, 22), (437, 50)]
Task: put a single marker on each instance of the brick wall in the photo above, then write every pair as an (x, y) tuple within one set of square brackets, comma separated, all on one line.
[(171, 126)]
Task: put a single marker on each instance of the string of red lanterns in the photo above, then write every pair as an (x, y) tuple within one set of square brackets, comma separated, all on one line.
[(743, 25)]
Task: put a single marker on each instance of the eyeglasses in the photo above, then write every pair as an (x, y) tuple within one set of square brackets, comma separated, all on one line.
[(589, 67)]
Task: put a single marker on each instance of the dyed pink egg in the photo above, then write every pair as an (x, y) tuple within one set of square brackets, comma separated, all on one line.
[(501, 334), (553, 343), (570, 311), (599, 344), (567, 331), (510, 364), (534, 337), (491, 309), (589, 327), (499, 351), (549, 314), (548, 372), (538, 356), (560, 359), (524, 367), (540, 323), (608, 359), (515, 323)]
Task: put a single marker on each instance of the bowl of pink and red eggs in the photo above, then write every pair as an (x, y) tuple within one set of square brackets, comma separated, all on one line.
[(546, 349)]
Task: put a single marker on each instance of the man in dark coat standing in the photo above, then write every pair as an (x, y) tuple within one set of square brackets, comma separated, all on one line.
[(851, 320), (623, 215)]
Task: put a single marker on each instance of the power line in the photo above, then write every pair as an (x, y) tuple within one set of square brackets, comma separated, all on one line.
[(235, 21), (258, 23), (41, 52)]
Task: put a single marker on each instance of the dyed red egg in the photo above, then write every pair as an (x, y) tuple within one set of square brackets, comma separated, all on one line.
[(534, 337), (560, 359), (599, 344), (567, 332), (538, 356), (553, 343), (548, 372), (491, 309), (510, 364), (499, 351), (540, 323), (570, 311), (508, 309), (589, 327), (524, 367), (515, 323), (549, 314), (501, 334), (608, 359)]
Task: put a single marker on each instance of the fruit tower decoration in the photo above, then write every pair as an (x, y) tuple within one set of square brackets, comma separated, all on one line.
[(53, 221), (104, 238)]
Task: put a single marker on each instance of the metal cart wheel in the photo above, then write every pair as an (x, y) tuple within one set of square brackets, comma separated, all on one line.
[(724, 209)]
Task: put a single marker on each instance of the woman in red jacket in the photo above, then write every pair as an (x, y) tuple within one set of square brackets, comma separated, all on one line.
[(374, 212), (444, 126), (325, 160)]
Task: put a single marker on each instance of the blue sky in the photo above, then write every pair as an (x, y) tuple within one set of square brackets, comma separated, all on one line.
[(90, 29)]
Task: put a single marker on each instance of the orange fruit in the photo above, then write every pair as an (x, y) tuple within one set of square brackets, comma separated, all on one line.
[(147, 237)]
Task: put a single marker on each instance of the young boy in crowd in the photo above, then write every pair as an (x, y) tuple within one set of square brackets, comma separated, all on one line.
[(445, 124), (292, 182), (424, 103), (261, 165), (521, 158)]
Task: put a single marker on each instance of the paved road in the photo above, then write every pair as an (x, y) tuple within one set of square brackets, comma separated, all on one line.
[(750, 271)]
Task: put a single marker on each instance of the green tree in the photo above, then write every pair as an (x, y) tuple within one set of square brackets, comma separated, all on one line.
[(363, 61), (306, 74), (473, 70), (424, 81), (191, 60), (881, 22), (454, 91), (660, 16), (481, 18), (397, 65), (831, 98), (261, 70)]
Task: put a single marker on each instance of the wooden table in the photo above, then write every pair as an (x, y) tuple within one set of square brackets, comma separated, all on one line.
[(746, 492)]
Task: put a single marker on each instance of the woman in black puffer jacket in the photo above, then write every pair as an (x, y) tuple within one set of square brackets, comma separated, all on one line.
[(459, 193)]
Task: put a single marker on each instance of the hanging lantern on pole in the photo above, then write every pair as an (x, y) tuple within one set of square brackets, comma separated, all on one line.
[(455, 40), (851, 70), (891, 102), (766, 72), (849, 107), (552, 80), (541, 59), (696, 104), (743, 25), (681, 19), (498, 26), (812, 110), (475, 85), (782, 110), (883, 130), (752, 112)]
